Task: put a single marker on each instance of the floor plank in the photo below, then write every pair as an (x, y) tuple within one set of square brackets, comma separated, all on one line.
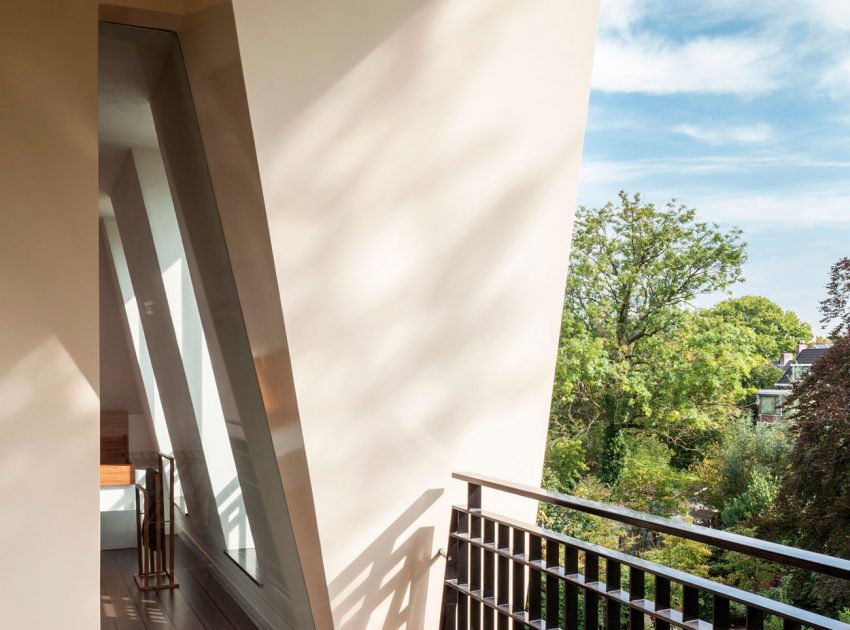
[(199, 603), (120, 606)]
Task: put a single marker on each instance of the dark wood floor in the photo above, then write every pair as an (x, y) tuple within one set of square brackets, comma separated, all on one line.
[(199, 603)]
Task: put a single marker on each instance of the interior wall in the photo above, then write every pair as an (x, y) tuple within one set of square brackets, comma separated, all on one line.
[(419, 163), (49, 417)]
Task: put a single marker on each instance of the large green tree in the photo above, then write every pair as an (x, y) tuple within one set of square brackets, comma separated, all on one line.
[(633, 356), (634, 266), (776, 330)]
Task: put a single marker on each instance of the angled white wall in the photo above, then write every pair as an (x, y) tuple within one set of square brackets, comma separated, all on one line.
[(419, 162)]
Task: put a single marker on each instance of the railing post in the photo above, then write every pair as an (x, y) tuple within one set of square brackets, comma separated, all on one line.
[(473, 501), (662, 600), (448, 616), (591, 598), (473, 567)]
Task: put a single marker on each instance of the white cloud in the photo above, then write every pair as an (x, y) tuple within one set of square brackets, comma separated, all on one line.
[(745, 134), (619, 15), (615, 172), (805, 208), (788, 43), (830, 15), (743, 66), (836, 78)]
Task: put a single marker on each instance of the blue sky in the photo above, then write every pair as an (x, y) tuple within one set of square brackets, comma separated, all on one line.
[(739, 109)]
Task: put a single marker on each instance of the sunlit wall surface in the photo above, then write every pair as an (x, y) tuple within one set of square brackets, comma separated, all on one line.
[(111, 239)]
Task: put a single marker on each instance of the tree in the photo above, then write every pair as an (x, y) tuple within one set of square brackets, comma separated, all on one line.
[(836, 307), (776, 330), (747, 451), (631, 355), (648, 482), (635, 266)]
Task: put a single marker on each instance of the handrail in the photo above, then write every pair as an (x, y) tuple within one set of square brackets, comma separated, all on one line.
[(774, 552)]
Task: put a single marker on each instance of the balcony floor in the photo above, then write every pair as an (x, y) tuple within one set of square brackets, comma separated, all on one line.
[(199, 603)]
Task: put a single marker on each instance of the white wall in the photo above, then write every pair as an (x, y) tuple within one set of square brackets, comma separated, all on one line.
[(49, 415), (418, 164)]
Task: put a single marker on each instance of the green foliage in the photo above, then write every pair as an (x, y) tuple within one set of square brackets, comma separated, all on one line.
[(755, 500), (634, 266), (682, 554), (564, 464), (652, 403), (631, 356), (747, 449), (647, 482), (776, 330)]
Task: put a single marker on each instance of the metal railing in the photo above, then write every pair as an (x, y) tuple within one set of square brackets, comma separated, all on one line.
[(502, 574)]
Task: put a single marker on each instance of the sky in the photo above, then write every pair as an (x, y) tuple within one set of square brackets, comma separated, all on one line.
[(740, 110)]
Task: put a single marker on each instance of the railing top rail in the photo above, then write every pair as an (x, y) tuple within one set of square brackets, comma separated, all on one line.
[(827, 565)]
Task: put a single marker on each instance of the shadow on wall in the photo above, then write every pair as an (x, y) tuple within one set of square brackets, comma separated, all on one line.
[(395, 566), (420, 268)]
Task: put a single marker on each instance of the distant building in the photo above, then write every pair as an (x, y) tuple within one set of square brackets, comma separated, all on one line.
[(795, 366)]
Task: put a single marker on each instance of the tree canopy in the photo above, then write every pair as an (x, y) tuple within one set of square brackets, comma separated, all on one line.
[(632, 355), (776, 330), (634, 266)]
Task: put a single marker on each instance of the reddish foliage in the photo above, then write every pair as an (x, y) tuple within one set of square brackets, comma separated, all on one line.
[(814, 503)]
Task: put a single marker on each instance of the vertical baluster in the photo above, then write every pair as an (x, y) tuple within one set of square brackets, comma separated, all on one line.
[(662, 600), (637, 592), (489, 590), (138, 531), (450, 595), (788, 624), (518, 595), (690, 603), (475, 572), (160, 540), (553, 596), (535, 599), (571, 589), (613, 584), (591, 599), (463, 571), (755, 618), (171, 519), (720, 615), (146, 532), (503, 584)]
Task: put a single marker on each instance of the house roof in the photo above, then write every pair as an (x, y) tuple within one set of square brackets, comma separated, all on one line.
[(806, 357), (810, 355)]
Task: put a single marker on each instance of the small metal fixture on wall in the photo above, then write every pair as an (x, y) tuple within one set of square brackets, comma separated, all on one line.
[(155, 528)]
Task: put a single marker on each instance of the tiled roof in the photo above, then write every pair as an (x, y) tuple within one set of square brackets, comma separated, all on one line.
[(810, 355)]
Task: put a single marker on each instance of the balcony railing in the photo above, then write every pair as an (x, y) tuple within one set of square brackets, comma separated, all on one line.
[(502, 574)]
